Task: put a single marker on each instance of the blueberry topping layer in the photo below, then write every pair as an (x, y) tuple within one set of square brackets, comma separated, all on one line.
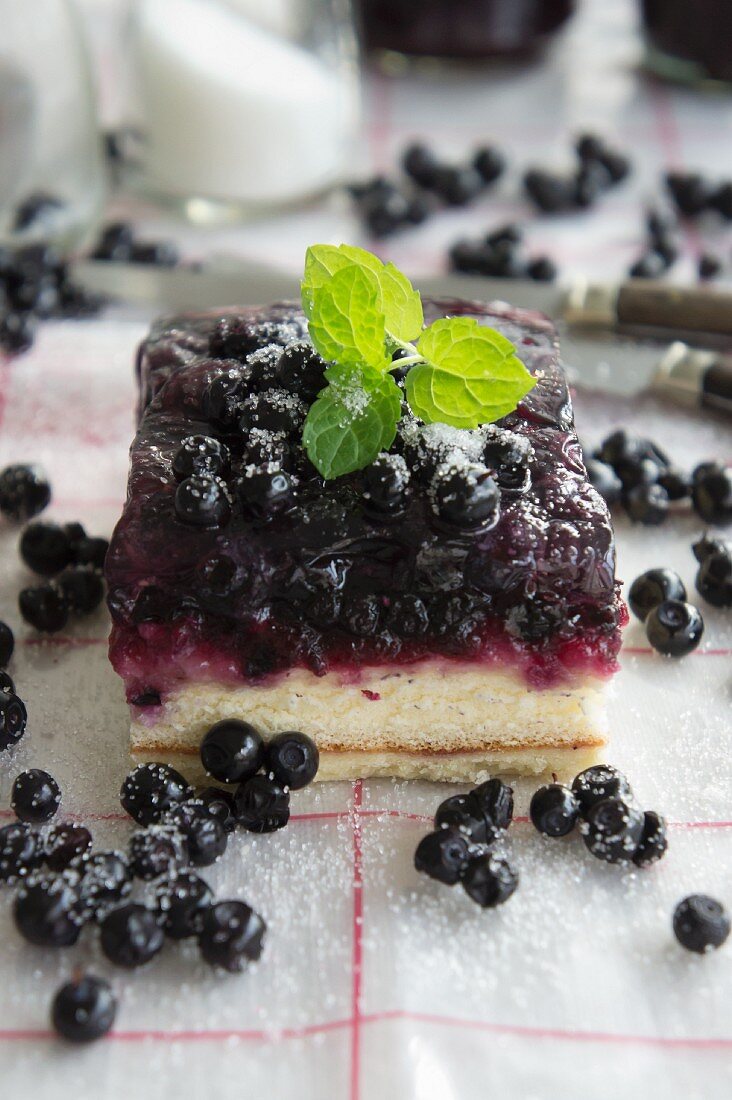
[(233, 555)]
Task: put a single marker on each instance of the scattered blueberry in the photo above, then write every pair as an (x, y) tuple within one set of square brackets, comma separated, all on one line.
[(7, 644), (647, 504), (24, 492), (82, 590), (464, 813), (105, 881), (7, 685), (36, 796), (292, 758), (262, 805), (653, 841), (495, 799), (489, 163), (711, 492), (90, 551), (35, 207), (421, 164), (66, 843), (46, 909), (597, 783), (205, 836), (131, 935), (21, 851), (612, 830), (701, 923), (44, 608), (709, 266), (542, 270), (444, 855), (17, 332), (154, 851), (232, 751), (182, 902), (490, 879), (46, 548), (219, 804), (84, 1009), (675, 483), (690, 192), (652, 588), (554, 810), (714, 577), (604, 479), (151, 790), (13, 719), (674, 628), (232, 935)]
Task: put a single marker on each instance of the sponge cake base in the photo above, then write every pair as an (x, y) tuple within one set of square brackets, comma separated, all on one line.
[(439, 720)]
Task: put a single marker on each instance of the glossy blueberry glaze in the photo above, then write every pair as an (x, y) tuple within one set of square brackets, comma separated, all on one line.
[(331, 584)]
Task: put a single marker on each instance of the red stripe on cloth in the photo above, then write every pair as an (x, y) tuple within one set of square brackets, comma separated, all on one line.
[(561, 1034), (274, 1035), (357, 958)]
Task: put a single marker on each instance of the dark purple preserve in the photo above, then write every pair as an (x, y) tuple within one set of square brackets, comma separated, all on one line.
[(255, 565), (462, 29), (690, 39)]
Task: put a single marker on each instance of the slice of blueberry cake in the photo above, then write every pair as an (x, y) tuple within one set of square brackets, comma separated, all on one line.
[(449, 610)]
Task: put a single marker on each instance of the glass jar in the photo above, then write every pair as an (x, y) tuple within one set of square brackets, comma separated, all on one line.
[(243, 104), (689, 40), (52, 180), (462, 29)]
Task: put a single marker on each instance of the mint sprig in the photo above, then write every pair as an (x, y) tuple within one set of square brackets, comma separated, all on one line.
[(360, 311), (353, 419)]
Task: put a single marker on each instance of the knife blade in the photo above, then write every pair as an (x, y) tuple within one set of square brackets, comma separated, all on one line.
[(602, 362)]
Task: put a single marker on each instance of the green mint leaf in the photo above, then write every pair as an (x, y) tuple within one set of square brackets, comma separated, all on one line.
[(471, 375), (346, 323), (322, 261), (401, 304), (398, 300), (353, 419)]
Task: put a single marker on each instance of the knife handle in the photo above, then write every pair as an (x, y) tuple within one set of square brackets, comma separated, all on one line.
[(642, 304), (695, 377)]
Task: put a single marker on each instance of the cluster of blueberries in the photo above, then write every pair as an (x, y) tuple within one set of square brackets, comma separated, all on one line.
[(614, 830), (465, 844), (469, 828), (267, 398), (62, 885), (386, 206), (658, 598), (69, 558), (662, 251), (598, 168), (35, 283), (500, 254), (635, 472)]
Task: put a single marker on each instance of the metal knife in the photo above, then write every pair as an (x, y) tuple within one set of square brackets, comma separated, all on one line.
[(595, 359)]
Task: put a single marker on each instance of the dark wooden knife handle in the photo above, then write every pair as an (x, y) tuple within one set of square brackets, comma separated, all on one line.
[(659, 305), (716, 385)]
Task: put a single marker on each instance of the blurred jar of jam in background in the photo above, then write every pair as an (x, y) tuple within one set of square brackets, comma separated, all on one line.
[(689, 40), (468, 30)]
